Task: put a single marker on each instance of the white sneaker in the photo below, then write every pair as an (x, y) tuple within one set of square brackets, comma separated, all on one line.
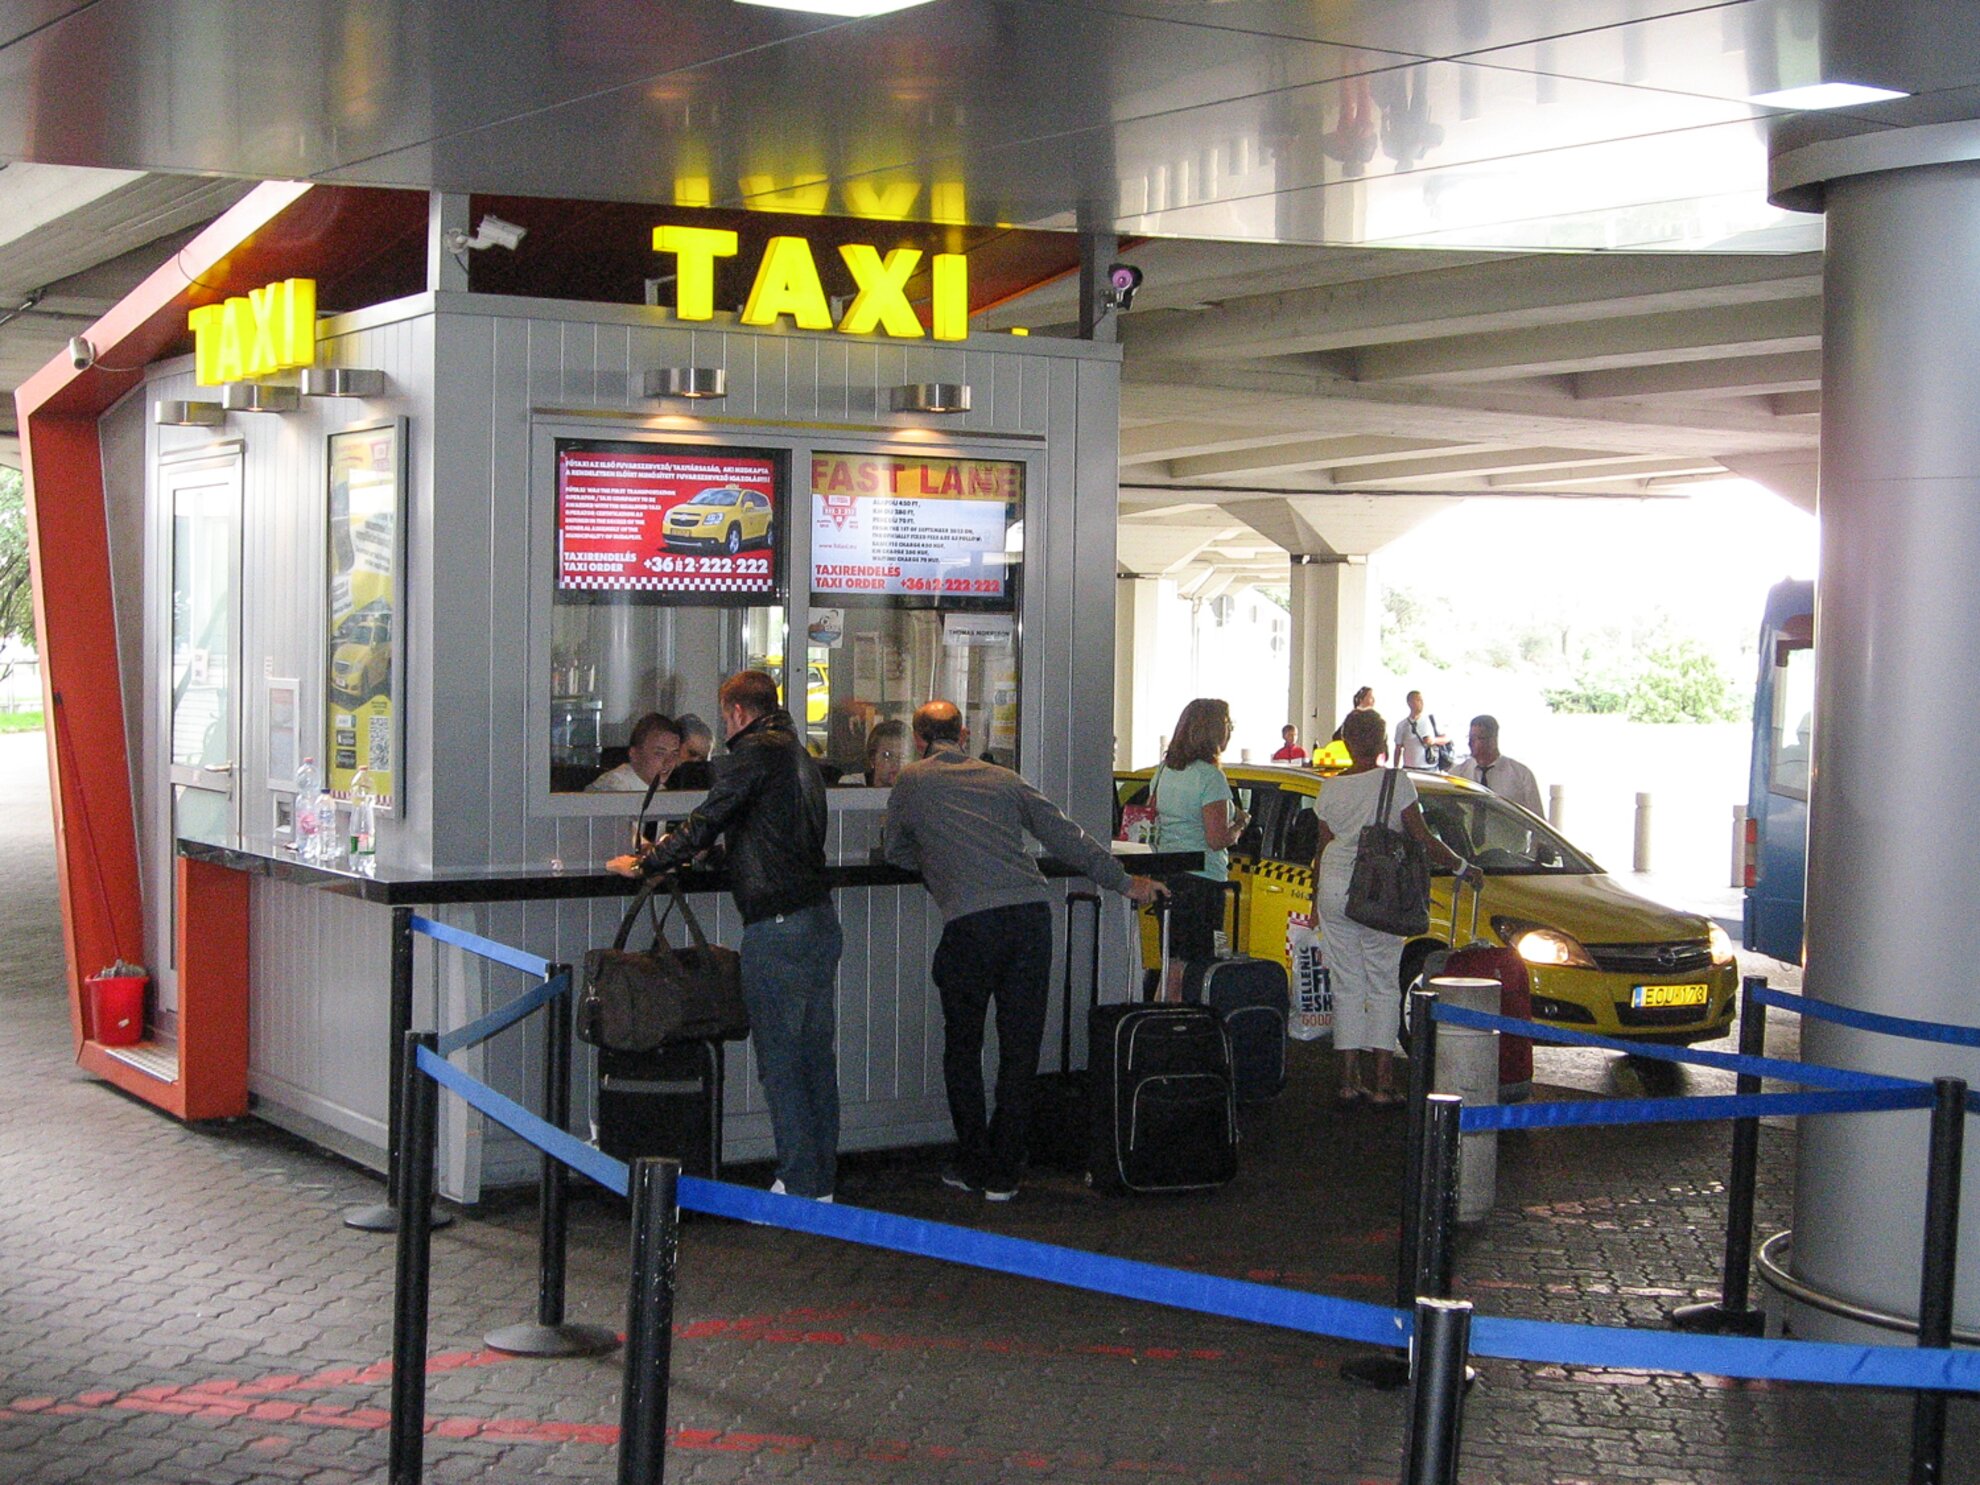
[(777, 1188), (994, 1193)]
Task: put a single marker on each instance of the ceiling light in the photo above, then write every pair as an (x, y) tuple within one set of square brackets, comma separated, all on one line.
[(167, 414), (260, 397), (1826, 95), (930, 397), (342, 381), (692, 382), (837, 7)]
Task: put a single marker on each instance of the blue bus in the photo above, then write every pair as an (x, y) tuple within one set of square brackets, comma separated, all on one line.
[(1777, 792)]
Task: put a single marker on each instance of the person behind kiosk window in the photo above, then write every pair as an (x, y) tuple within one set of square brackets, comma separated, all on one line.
[(697, 743), (886, 751), (655, 750), (1194, 811), (768, 804), (962, 824)]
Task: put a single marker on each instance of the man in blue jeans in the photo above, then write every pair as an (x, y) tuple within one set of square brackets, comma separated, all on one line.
[(962, 824), (767, 801)]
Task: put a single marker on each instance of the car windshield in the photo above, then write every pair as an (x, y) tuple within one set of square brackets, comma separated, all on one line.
[(1502, 840), (715, 497)]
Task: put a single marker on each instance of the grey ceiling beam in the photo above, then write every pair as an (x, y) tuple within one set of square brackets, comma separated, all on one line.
[(1316, 453), (1686, 335), (1513, 294), (1731, 376), (1595, 474), (1468, 466)]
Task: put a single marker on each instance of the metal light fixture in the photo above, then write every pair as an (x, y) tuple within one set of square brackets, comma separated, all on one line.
[(930, 397), (342, 381), (259, 397), (694, 383), (174, 414)]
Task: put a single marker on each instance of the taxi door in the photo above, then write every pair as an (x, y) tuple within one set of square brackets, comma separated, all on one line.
[(1282, 907), (1261, 802)]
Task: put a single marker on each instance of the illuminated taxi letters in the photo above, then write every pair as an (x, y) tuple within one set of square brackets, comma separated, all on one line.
[(882, 299), (877, 202), (273, 328), (695, 250), (787, 284)]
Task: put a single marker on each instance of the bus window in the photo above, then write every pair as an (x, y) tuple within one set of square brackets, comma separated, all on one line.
[(1793, 722)]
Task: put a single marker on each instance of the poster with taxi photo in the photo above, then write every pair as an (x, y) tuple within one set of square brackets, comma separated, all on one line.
[(362, 702)]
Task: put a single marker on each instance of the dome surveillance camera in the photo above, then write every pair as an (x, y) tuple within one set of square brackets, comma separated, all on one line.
[(1122, 281)]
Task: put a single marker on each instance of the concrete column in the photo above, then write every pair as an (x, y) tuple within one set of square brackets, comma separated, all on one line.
[(1891, 873), (1333, 641), (1137, 727)]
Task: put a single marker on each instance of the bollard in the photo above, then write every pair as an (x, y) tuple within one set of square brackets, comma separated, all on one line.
[(1468, 1065), (1438, 1348), (1938, 1271), (383, 1216), (1641, 861), (1737, 877), (1729, 1312), (551, 1335), (1437, 1197), (420, 1109), (1557, 806), (649, 1321), (1391, 1369)]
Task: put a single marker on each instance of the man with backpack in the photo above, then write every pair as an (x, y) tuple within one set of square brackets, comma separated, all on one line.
[(1419, 742)]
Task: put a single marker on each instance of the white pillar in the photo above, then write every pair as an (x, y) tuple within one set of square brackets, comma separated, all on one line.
[(1333, 641), (1890, 868), (1137, 663)]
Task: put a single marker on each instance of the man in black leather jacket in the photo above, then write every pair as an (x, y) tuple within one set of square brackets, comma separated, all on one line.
[(768, 804)]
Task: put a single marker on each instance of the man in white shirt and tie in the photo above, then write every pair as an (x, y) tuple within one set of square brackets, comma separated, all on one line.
[(1506, 777)]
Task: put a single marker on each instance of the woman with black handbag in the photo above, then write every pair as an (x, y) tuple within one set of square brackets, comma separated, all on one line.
[(1365, 962)]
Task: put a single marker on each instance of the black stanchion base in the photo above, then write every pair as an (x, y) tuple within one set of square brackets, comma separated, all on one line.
[(379, 1217), (552, 1340), (1713, 1318)]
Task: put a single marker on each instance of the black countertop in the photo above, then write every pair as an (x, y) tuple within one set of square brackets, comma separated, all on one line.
[(408, 886)]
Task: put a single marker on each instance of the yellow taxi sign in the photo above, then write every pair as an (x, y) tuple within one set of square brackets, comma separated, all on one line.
[(787, 284), (269, 329)]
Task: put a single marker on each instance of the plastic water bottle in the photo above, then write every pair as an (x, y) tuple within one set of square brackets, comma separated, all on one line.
[(307, 811), (364, 817)]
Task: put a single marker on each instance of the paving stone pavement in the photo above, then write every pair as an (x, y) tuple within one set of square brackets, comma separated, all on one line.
[(182, 1304)]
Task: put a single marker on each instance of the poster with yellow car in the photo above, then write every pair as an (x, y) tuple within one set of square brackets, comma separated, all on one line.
[(364, 576)]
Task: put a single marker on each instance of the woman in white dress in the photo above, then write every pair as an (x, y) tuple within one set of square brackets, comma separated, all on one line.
[(1365, 963)]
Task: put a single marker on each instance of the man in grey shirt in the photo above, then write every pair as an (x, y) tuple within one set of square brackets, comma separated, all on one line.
[(962, 824)]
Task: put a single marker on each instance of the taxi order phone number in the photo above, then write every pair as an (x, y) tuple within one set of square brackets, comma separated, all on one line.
[(952, 585), (718, 566)]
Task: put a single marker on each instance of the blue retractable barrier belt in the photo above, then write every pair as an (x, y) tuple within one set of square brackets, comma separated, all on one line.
[(487, 948), (1563, 1114), (587, 1160), (1239, 1299), (1842, 1015), (476, 1032), (1809, 1074)]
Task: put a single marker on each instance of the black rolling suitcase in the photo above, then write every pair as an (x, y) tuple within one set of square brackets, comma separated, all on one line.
[(1253, 1000), (1056, 1136), (1162, 1114), (664, 1102)]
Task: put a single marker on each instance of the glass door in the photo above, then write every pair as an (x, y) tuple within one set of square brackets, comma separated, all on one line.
[(204, 711)]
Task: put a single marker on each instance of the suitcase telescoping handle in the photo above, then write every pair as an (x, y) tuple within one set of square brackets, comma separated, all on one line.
[(1457, 898), (1065, 1013), (1160, 909)]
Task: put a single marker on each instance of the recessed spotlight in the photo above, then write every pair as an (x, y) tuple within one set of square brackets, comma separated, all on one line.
[(1826, 95), (837, 7)]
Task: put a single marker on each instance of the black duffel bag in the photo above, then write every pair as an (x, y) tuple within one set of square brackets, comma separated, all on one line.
[(634, 1000), (1390, 888)]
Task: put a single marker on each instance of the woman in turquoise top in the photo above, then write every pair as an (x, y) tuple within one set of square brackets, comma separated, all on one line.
[(1194, 811)]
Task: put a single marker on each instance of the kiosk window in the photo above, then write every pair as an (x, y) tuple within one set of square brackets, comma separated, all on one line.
[(915, 570)]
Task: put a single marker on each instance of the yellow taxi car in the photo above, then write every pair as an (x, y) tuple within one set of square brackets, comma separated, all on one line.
[(361, 654), (723, 518), (1600, 958)]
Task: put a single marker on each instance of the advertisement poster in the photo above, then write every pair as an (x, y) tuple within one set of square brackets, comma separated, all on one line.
[(362, 704), (913, 528), (645, 523)]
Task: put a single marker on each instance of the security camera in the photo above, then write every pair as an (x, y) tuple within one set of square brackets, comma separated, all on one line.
[(1122, 281), (502, 234), (82, 355)]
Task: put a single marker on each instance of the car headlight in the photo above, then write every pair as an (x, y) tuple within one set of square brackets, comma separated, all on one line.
[(1538, 944), (1721, 944)]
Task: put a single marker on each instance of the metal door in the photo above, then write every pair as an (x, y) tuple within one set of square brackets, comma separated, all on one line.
[(203, 703)]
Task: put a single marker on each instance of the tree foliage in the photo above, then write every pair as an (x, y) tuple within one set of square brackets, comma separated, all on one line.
[(1680, 682), (16, 590)]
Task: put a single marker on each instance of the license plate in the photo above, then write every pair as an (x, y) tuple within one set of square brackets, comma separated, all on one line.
[(1651, 997)]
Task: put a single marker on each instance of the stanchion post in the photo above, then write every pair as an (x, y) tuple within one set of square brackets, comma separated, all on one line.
[(1437, 1381), (384, 1216), (551, 1335), (649, 1321), (420, 1109), (1941, 1258), (1729, 1313), (1436, 1221)]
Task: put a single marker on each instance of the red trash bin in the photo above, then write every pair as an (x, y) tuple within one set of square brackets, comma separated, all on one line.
[(114, 1001)]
